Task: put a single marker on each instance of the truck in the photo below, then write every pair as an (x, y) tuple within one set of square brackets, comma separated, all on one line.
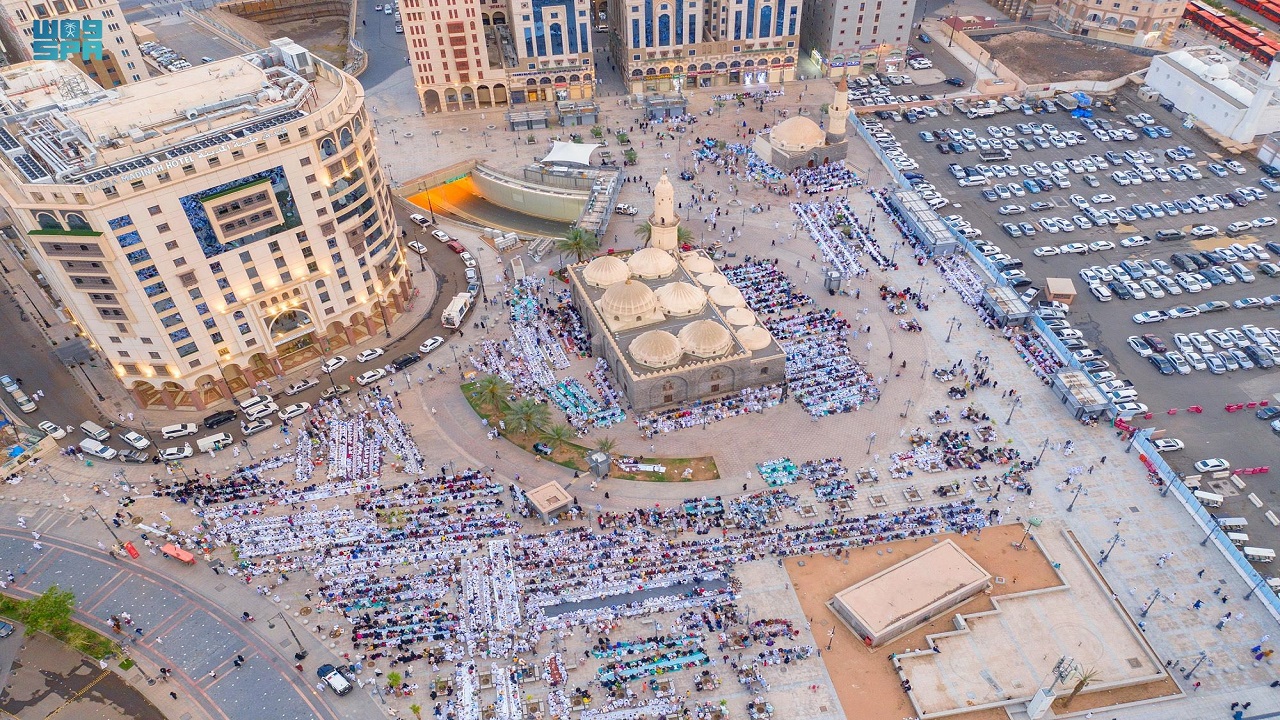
[(456, 311)]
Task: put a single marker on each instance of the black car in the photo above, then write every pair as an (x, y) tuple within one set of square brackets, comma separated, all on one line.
[(1121, 290), (1162, 364), (219, 418), (955, 81), (406, 360), (943, 148), (1270, 171), (686, 175)]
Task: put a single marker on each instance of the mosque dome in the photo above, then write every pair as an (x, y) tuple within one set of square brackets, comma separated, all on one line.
[(754, 337), (628, 299), (605, 271), (679, 299), (740, 316), (695, 264), (656, 348), (712, 279), (797, 134), (705, 338), (650, 263), (727, 296)]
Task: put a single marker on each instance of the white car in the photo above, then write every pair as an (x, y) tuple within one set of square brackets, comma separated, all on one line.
[(333, 363), (371, 377), (1179, 363), (176, 453), (54, 431), (293, 411), (467, 259), (253, 427), (1131, 408), (370, 354), (1203, 231), (417, 247), (1150, 316), (1139, 346), (301, 385), (430, 344), (441, 235), (1152, 287), (1168, 444), (1264, 222), (1102, 198), (1212, 465), (1076, 248), (1045, 251), (1135, 241), (136, 440), (1101, 245)]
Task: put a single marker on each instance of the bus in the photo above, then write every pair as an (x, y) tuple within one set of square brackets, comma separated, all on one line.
[(456, 311)]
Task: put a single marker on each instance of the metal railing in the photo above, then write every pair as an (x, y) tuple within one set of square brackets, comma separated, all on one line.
[(1208, 524)]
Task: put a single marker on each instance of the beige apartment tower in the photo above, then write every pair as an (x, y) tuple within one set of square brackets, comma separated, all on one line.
[(209, 229), (121, 61), (481, 54), (1144, 23), (848, 37)]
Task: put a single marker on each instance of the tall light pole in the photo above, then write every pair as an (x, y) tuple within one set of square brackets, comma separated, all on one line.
[(1155, 596), (1255, 587), (1107, 555), (1072, 506), (924, 367), (952, 323), (907, 408), (1016, 403), (871, 440), (302, 652), (1203, 656)]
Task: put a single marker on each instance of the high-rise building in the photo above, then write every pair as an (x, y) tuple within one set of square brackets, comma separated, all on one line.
[(477, 54), (210, 229), (121, 61), (1144, 23), (662, 45), (844, 37)]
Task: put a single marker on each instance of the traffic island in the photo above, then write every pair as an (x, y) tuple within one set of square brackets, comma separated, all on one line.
[(574, 456)]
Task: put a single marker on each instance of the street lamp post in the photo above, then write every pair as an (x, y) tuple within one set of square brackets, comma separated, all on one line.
[(952, 323), (302, 652), (1203, 656), (924, 367), (1043, 447), (1155, 596), (1072, 506), (1255, 587), (106, 525), (1107, 555), (1212, 530), (871, 440), (1016, 402), (436, 134), (907, 408)]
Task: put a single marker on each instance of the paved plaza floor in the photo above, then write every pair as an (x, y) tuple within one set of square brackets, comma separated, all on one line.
[(193, 611)]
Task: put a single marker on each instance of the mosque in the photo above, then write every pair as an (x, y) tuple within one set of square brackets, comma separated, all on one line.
[(799, 142), (669, 324)]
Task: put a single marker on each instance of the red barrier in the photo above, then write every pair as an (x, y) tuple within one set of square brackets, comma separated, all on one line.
[(1195, 409), (1172, 411), (1231, 408), (1251, 405), (1263, 403), (1148, 416), (133, 551)]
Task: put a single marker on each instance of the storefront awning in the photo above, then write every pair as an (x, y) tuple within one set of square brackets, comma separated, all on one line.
[(177, 553)]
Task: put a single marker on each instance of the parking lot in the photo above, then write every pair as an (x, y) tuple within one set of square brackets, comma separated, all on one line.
[(1241, 438)]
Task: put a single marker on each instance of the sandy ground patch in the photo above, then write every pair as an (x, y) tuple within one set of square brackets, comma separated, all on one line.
[(1038, 58)]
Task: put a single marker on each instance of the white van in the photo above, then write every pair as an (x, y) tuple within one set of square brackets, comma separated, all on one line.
[(973, 180), (1259, 555), (214, 442), (95, 431), (1238, 539), (97, 449), (169, 432), (1208, 499)]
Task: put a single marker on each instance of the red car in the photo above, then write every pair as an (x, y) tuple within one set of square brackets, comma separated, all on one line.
[(455, 246)]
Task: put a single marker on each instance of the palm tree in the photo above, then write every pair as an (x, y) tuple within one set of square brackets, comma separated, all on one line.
[(1084, 677), (416, 709), (527, 414), (579, 243), (684, 236), (492, 391), (606, 444), (557, 435), (630, 156), (393, 680), (645, 232)]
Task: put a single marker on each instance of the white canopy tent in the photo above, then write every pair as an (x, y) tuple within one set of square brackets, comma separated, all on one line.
[(569, 153)]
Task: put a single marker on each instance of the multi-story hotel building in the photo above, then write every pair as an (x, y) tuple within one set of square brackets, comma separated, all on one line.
[(477, 54), (846, 37), (208, 229), (121, 61), (1145, 23), (660, 45)]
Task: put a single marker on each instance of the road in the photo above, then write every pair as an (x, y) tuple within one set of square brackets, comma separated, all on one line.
[(183, 629)]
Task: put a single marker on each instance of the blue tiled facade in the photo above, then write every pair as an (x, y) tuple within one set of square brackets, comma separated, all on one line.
[(202, 226)]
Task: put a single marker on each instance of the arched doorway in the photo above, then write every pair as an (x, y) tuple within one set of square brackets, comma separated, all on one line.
[(145, 395), (207, 391), (484, 96), (431, 101)]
